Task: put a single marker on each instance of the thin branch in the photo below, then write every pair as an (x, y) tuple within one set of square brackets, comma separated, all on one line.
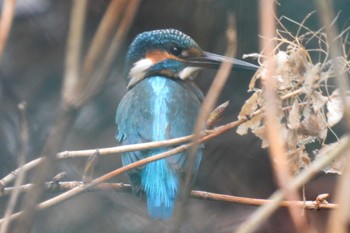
[(13, 175), (7, 14), (206, 108), (97, 79), (21, 161), (254, 221), (54, 187), (63, 119), (127, 148), (79, 189), (326, 16), (278, 155), (99, 42), (338, 220), (72, 77), (114, 150), (70, 95), (103, 151), (311, 205), (259, 216)]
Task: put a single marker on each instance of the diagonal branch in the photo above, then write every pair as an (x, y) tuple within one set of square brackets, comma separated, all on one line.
[(7, 14), (64, 119), (79, 189), (121, 149), (206, 108), (99, 42), (95, 80), (251, 224), (339, 219), (302, 178)]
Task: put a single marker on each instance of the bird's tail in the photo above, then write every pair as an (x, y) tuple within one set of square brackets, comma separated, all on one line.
[(161, 185)]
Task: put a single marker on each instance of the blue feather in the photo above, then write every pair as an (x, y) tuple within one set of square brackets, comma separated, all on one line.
[(158, 108)]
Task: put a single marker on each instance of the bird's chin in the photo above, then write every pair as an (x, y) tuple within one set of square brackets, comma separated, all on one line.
[(188, 73)]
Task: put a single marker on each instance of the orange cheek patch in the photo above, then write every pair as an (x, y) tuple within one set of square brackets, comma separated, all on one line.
[(157, 56)]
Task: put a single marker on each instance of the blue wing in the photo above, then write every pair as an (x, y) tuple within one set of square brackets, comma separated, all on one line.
[(158, 108)]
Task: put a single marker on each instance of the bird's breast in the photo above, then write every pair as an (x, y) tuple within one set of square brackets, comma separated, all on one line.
[(159, 108)]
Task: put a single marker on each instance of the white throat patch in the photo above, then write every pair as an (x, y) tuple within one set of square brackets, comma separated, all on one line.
[(188, 72), (138, 71)]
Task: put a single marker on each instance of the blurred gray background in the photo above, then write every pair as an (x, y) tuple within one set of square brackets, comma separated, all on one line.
[(32, 70)]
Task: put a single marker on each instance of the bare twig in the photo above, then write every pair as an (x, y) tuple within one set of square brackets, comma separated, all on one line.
[(114, 150), (97, 79), (21, 174), (72, 77), (311, 205), (278, 155), (126, 148), (319, 203), (207, 106), (63, 115), (302, 178), (103, 151), (75, 191), (64, 118), (99, 42), (13, 175), (326, 15), (339, 219), (7, 13)]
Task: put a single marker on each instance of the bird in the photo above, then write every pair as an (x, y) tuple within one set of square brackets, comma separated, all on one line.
[(162, 102)]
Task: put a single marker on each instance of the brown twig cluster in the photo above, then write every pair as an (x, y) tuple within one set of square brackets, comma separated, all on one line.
[(309, 106)]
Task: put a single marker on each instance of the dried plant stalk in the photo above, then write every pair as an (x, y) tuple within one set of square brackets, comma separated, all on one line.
[(309, 104)]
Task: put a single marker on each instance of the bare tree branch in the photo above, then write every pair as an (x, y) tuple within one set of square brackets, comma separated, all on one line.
[(259, 216), (7, 14), (94, 82), (278, 155), (207, 107), (99, 42), (339, 219), (120, 149), (21, 174), (73, 52), (64, 118), (79, 189), (53, 187)]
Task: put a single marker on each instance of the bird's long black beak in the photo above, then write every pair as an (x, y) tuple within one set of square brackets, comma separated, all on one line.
[(213, 61)]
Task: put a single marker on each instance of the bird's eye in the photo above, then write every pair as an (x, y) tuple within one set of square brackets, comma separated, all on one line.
[(174, 50)]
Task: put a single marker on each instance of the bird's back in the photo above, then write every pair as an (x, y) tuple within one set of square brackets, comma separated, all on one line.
[(158, 108)]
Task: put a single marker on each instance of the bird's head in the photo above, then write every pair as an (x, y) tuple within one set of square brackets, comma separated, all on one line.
[(173, 54)]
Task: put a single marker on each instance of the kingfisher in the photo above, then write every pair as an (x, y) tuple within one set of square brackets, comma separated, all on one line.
[(162, 102)]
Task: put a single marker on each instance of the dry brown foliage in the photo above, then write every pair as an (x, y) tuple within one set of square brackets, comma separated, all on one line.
[(308, 102)]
